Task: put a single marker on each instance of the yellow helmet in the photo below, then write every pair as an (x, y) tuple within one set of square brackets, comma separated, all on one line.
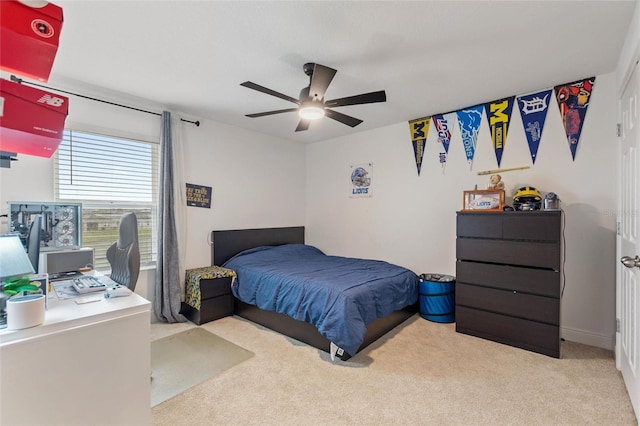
[(527, 198)]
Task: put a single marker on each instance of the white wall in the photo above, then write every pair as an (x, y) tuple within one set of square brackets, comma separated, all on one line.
[(410, 220), (257, 181)]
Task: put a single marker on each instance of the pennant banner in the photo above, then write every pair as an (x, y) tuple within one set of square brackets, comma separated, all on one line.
[(573, 101), (533, 110), (443, 125), (419, 129), (499, 115), (469, 120)]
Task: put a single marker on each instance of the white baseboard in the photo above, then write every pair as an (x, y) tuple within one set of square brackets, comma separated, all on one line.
[(588, 338)]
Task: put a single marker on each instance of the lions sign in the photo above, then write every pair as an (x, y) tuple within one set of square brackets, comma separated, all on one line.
[(361, 180)]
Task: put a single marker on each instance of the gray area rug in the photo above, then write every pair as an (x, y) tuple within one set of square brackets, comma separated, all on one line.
[(185, 359)]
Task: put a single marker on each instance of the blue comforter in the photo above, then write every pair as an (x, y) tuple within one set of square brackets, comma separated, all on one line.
[(338, 295)]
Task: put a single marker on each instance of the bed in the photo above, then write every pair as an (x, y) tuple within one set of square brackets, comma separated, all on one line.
[(227, 244)]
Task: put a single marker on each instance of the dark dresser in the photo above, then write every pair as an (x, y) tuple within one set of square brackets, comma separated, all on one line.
[(508, 278)]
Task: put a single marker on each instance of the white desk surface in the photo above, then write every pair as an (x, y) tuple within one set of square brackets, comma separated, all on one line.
[(66, 314)]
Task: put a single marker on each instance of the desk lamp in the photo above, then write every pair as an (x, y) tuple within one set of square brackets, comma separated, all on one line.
[(14, 262)]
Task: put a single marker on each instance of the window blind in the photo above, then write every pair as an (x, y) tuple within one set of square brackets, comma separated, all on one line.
[(110, 176)]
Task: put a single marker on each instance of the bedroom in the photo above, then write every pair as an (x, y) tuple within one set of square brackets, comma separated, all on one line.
[(410, 220)]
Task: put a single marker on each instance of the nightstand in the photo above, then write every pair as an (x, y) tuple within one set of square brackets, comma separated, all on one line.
[(208, 294)]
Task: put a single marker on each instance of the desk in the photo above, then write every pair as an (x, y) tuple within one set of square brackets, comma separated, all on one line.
[(86, 364)]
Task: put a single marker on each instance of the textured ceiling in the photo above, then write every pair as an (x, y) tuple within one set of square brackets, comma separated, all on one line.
[(429, 56)]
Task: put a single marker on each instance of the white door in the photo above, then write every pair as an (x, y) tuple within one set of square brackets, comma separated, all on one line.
[(628, 281)]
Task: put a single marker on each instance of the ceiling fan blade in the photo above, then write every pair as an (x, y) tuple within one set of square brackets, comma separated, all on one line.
[(263, 89), (320, 80), (365, 98), (303, 124), (279, 111), (343, 118)]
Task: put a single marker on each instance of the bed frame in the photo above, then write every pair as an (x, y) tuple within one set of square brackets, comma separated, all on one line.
[(226, 244)]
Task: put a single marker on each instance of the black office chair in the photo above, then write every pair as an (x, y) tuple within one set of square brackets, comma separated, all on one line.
[(124, 255)]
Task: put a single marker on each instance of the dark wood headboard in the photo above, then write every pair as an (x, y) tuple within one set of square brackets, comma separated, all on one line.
[(226, 244)]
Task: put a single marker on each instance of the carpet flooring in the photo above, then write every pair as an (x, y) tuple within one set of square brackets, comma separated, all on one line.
[(421, 373), (183, 360)]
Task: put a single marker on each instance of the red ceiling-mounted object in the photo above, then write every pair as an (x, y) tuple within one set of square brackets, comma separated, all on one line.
[(31, 120), (29, 36)]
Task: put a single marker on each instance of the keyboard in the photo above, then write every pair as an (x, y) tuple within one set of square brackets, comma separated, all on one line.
[(88, 284)]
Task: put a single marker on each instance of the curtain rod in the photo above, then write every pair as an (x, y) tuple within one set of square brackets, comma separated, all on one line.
[(21, 81)]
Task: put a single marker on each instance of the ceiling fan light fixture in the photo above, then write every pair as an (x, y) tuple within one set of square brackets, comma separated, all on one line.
[(311, 112), (311, 104)]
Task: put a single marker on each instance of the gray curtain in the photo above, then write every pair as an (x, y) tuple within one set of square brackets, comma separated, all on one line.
[(168, 286)]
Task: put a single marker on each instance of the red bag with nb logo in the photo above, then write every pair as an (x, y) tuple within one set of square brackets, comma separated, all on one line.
[(31, 120)]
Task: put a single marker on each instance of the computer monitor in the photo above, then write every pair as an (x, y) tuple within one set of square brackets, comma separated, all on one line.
[(33, 241), (14, 261)]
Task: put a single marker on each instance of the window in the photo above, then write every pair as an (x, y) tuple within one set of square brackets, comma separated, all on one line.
[(109, 176)]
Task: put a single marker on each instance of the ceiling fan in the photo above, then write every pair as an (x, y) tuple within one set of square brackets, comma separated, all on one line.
[(311, 103)]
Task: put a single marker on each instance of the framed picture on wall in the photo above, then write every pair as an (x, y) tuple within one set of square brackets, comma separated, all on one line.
[(361, 176), (198, 196)]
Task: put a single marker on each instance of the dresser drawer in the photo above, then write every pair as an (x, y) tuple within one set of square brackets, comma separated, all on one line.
[(535, 226), (537, 308), (213, 287), (542, 282), (479, 225), (525, 334), (216, 307), (524, 253)]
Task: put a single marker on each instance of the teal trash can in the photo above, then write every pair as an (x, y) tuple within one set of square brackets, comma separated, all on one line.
[(437, 297)]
